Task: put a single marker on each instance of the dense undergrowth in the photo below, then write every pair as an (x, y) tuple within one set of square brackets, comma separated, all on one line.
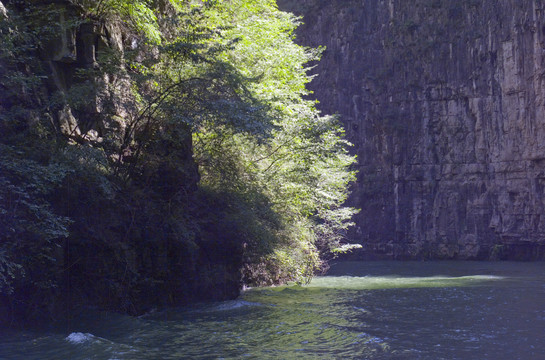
[(159, 152)]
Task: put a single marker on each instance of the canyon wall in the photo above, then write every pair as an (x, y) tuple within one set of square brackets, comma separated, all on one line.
[(444, 103)]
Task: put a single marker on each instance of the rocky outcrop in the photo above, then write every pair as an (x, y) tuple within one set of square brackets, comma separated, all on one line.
[(94, 105), (115, 244), (445, 103)]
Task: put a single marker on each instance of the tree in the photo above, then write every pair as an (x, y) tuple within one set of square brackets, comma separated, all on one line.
[(301, 169)]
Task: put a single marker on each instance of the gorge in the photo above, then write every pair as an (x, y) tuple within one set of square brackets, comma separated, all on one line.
[(169, 188), (161, 153)]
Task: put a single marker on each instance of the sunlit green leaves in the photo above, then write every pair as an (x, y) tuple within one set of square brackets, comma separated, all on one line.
[(303, 167)]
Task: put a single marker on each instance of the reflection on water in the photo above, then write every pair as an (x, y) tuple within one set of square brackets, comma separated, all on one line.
[(398, 282), (361, 310)]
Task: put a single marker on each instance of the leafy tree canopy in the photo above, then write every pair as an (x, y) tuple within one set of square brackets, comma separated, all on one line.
[(223, 81), (303, 168)]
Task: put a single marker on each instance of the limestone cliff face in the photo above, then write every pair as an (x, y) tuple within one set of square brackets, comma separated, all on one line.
[(444, 101)]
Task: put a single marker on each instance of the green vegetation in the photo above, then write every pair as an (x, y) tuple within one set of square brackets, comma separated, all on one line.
[(177, 151)]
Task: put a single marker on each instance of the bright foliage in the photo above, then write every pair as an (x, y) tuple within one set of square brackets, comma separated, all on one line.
[(302, 168)]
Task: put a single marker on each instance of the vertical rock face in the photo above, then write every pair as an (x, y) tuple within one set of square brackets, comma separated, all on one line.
[(128, 245), (444, 101)]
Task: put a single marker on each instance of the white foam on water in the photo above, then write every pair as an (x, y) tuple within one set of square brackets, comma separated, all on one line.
[(79, 338)]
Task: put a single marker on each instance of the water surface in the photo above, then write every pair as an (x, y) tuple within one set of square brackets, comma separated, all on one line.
[(360, 310)]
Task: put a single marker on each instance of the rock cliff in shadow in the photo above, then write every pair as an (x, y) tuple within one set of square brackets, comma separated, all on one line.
[(88, 218), (444, 101)]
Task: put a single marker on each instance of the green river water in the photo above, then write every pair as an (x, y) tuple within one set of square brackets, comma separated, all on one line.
[(360, 310)]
